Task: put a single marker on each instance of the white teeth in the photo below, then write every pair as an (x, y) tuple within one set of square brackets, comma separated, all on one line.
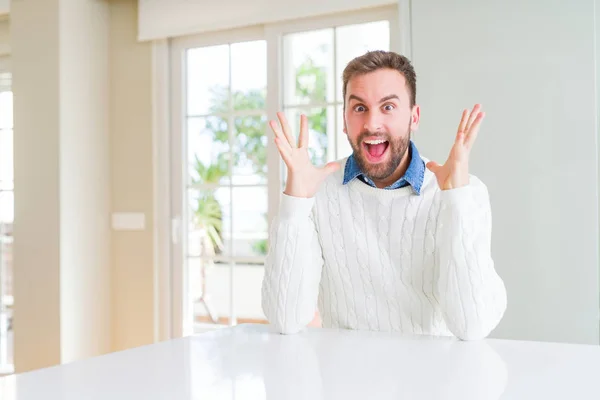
[(378, 141)]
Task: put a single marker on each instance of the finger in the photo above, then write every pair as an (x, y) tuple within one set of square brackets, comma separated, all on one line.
[(303, 139), (460, 137), (279, 135), (284, 149), (473, 116), (463, 123), (470, 139), (287, 131), (463, 120), (433, 166)]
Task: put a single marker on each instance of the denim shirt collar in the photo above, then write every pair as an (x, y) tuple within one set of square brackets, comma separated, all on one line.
[(413, 176)]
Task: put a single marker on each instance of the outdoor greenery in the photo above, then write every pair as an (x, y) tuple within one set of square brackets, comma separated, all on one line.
[(208, 214), (249, 146)]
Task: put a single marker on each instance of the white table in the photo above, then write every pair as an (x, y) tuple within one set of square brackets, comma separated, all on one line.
[(249, 362)]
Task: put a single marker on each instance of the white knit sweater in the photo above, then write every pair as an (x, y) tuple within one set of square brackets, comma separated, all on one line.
[(385, 260)]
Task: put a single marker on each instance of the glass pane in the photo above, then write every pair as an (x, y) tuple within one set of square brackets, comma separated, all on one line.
[(249, 221), (210, 288), (6, 110), (6, 300), (6, 159), (5, 81), (6, 207), (208, 150), (320, 131), (282, 173), (249, 75), (207, 82), (308, 67), (250, 150), (209, 222), (355, 40), (343, 146), (247, 283)]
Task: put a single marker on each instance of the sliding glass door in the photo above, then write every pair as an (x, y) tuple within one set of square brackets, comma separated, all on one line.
[(226, 173), (6, 218)]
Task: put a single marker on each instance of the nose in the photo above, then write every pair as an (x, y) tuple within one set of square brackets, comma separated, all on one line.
[(373, 122)]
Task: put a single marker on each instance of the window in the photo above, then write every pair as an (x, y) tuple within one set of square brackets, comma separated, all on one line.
[(313, 65), (6, 220), (227, 175), (227, 178)]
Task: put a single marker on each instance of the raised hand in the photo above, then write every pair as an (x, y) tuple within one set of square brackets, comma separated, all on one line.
[(455, 172), (303, 178)]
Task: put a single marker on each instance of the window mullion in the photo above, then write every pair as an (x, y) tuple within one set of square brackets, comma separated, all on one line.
[(335, 93), (230, 130), (274, 94)]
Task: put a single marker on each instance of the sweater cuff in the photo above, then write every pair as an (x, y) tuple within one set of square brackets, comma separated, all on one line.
[(458, 200), (295, 208)]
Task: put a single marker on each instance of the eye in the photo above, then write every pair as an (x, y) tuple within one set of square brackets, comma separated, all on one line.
[(359, 108), (388, 107)]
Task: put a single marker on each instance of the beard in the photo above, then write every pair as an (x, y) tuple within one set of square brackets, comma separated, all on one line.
[(397, 147)]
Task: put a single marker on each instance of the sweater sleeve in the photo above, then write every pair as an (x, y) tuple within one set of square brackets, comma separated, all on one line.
[(293, 265), (471, 294)]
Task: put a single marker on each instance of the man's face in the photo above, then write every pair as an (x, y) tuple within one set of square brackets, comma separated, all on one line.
[(378, 120)]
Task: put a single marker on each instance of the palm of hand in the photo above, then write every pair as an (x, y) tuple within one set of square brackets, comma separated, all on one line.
[(455, 171), (304, 178)]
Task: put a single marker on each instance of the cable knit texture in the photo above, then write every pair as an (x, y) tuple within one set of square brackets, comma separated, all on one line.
[(385, 260)]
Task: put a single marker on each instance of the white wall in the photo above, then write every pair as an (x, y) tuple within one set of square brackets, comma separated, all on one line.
[(597, 37), (84, 179), (131, 177), (532, 65), (35, 60), (81, 289), (168, 18), (62, 237)]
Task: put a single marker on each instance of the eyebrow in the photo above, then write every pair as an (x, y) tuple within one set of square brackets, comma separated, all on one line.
[(386, 98)]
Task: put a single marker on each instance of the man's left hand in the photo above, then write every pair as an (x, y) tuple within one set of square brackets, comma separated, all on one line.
[(455, 172)]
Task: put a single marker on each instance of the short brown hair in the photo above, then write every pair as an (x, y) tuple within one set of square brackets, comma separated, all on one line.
[(379, 59)]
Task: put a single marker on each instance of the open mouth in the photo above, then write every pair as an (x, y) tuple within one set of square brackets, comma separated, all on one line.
[(375, 149)]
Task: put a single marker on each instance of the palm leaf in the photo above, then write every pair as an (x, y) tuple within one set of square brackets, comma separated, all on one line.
[(209, 217)]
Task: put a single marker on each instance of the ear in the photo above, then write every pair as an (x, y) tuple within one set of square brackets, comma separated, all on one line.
[(415, 117), (345, 129)]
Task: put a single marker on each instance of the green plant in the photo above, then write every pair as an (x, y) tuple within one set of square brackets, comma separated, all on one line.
[(209, 174), (208, 215), (311, 86), (260, 246), (249, 145)]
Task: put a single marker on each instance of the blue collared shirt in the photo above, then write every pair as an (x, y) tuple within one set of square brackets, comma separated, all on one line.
[(413, 176)]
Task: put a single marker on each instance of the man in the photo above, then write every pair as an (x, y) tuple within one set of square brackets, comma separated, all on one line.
[(385, 239)]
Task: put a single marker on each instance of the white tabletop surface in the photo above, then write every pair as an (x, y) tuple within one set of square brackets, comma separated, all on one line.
[(249, 362)]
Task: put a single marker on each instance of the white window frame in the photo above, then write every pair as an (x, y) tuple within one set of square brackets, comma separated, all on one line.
[(279, 30), (173, 307), (182, 310), (5, 368)]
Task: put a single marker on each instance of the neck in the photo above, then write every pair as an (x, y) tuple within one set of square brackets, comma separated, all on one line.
[(398, 173)]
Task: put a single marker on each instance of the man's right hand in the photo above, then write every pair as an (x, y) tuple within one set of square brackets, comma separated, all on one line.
[(303, 179)]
